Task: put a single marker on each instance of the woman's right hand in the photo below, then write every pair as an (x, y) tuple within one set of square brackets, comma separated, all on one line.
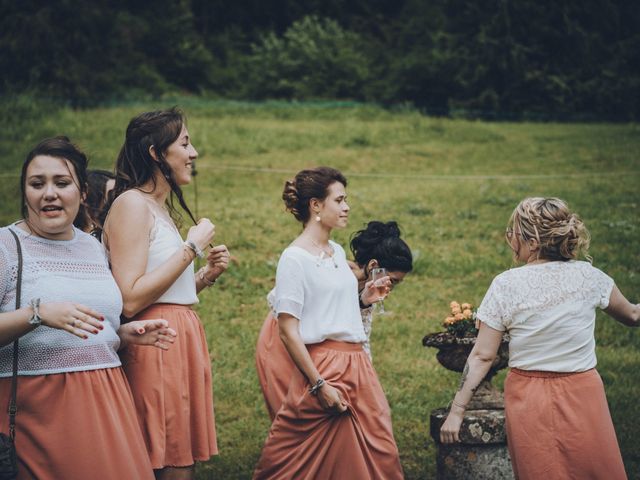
[(331, 399), (71, 317), (202, 233)]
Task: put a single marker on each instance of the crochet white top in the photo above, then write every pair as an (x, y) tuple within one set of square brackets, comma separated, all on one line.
[(321, 293), (549, 311), (73, 270)]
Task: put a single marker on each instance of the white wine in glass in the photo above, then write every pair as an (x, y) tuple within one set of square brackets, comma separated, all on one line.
[(376, 275)]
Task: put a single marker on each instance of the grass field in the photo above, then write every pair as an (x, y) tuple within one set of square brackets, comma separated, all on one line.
[(451, 184)]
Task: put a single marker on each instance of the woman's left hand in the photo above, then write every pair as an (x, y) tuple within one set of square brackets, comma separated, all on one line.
[(370, 293), (154, 332), (450, 430), (217, 262)]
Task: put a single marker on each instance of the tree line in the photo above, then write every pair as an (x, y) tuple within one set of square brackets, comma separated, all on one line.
[(489, 58)]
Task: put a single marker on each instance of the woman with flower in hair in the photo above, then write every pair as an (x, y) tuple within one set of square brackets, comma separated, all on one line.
[(335, 420), (377, 245), (153, 267), (557, 419)]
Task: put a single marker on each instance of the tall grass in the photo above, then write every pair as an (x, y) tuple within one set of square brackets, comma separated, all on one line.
[(451, 184)]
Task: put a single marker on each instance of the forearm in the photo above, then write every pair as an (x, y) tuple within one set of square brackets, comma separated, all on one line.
[(152, 285), (475, 369), (299, 353), (14, 324), (207, 281)]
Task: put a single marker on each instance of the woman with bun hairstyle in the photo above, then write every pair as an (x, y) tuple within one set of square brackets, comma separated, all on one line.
[(153, 267), (557, 419), (378, 245), (75, 414), (335, 420)]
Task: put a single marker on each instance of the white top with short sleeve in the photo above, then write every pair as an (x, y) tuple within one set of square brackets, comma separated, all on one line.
[(549, 311), (75, 271), (322, 294)]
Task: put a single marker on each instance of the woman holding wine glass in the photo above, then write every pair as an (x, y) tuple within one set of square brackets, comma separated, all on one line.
[(376, 247), (335, 420)]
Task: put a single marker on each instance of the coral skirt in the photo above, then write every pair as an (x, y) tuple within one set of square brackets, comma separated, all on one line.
[(306, 441), (75, 426), (274, 365), (559, 426), (172, 391)]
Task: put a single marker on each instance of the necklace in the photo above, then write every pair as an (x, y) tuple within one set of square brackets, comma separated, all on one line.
[(323, 252)]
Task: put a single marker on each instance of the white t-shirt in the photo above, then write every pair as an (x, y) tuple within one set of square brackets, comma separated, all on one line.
[(321, 293), (549, 311)]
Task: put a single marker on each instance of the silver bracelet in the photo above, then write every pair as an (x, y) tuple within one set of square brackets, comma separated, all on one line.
[(192, 246), (313, 389), (35, 319), (459, 405), (205, 280)]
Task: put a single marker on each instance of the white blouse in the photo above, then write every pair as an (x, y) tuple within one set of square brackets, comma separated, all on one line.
[(321, 294), (549, 311)]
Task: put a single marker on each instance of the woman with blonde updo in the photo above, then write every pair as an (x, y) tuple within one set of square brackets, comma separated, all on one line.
[(558, 421), (334, 421)]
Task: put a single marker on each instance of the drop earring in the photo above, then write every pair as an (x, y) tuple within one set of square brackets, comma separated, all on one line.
[(317, 217)]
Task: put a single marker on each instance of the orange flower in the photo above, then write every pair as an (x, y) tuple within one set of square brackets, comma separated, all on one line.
[(458, 317), (449, 321), (456, 309), (467, 313), (454, 304), (466, 306)]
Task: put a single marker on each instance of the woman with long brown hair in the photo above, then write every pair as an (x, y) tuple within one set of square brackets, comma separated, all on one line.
[(153, 267)]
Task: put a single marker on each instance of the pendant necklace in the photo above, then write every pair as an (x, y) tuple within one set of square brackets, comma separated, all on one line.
[(323, 252)]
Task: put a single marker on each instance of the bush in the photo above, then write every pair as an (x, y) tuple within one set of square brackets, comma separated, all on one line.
[(314, 58)]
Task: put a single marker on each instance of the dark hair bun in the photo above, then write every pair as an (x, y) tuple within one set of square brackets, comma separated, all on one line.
[(291, 199), (382, 241)]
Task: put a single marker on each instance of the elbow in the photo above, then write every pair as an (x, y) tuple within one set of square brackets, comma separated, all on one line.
[(481, 357), (130, 308)]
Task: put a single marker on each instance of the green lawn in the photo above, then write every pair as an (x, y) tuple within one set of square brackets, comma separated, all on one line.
[(451, 184)]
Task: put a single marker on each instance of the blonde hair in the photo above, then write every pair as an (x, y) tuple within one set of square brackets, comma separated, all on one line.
[(560, 233)]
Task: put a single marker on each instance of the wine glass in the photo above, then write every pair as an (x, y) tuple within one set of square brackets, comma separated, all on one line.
[(376, 275)]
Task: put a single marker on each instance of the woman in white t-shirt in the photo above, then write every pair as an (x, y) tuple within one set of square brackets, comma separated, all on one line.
[(558, 421), (335, 420)]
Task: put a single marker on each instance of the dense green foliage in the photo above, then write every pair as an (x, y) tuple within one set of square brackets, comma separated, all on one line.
[(495, 58), (451, 185)]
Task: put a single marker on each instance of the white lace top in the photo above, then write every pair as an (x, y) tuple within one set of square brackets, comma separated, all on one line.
[(60, 271), (321, 293), (549, 311)]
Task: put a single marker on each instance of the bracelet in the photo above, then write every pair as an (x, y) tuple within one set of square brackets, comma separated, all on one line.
[(459, 405), (193, 247), (313, 390), (362, 305), (35, 319), (205, 280)]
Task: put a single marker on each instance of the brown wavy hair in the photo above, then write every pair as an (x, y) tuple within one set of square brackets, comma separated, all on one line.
[(309, 184)]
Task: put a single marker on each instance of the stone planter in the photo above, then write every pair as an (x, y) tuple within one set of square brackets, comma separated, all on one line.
[(482, 452), (452, 355)]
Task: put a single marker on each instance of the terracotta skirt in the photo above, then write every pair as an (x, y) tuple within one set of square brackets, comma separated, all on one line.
[(76, 425), (274, 365), (172, 391), (305, 441), (559, 426)]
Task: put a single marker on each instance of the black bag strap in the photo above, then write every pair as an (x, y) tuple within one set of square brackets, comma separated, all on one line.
[(13, 408)]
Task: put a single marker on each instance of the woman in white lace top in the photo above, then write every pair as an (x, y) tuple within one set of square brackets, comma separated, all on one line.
[(154, 268), (558, 421), (378, 245), (75, 415)]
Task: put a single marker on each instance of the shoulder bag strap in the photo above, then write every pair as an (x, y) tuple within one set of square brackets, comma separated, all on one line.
[(13, 408)]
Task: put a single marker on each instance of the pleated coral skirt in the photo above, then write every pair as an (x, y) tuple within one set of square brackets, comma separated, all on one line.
[(273, 364), (559, 427), (307, 442), (76, 426), (172, 391)]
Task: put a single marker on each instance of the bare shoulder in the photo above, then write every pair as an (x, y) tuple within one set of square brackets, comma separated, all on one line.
[(130, 208)]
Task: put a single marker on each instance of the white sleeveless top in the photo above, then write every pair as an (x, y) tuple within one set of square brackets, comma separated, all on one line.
[(75, 271), (321, 294), (164, 240), (549, 311)]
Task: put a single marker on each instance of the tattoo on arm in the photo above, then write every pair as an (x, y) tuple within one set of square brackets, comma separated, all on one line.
[(465, 374)]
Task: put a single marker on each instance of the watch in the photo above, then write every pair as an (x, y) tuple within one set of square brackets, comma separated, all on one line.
[(35, 319)]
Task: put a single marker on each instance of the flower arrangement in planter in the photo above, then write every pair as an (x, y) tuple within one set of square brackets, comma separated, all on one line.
[(462, 320)]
